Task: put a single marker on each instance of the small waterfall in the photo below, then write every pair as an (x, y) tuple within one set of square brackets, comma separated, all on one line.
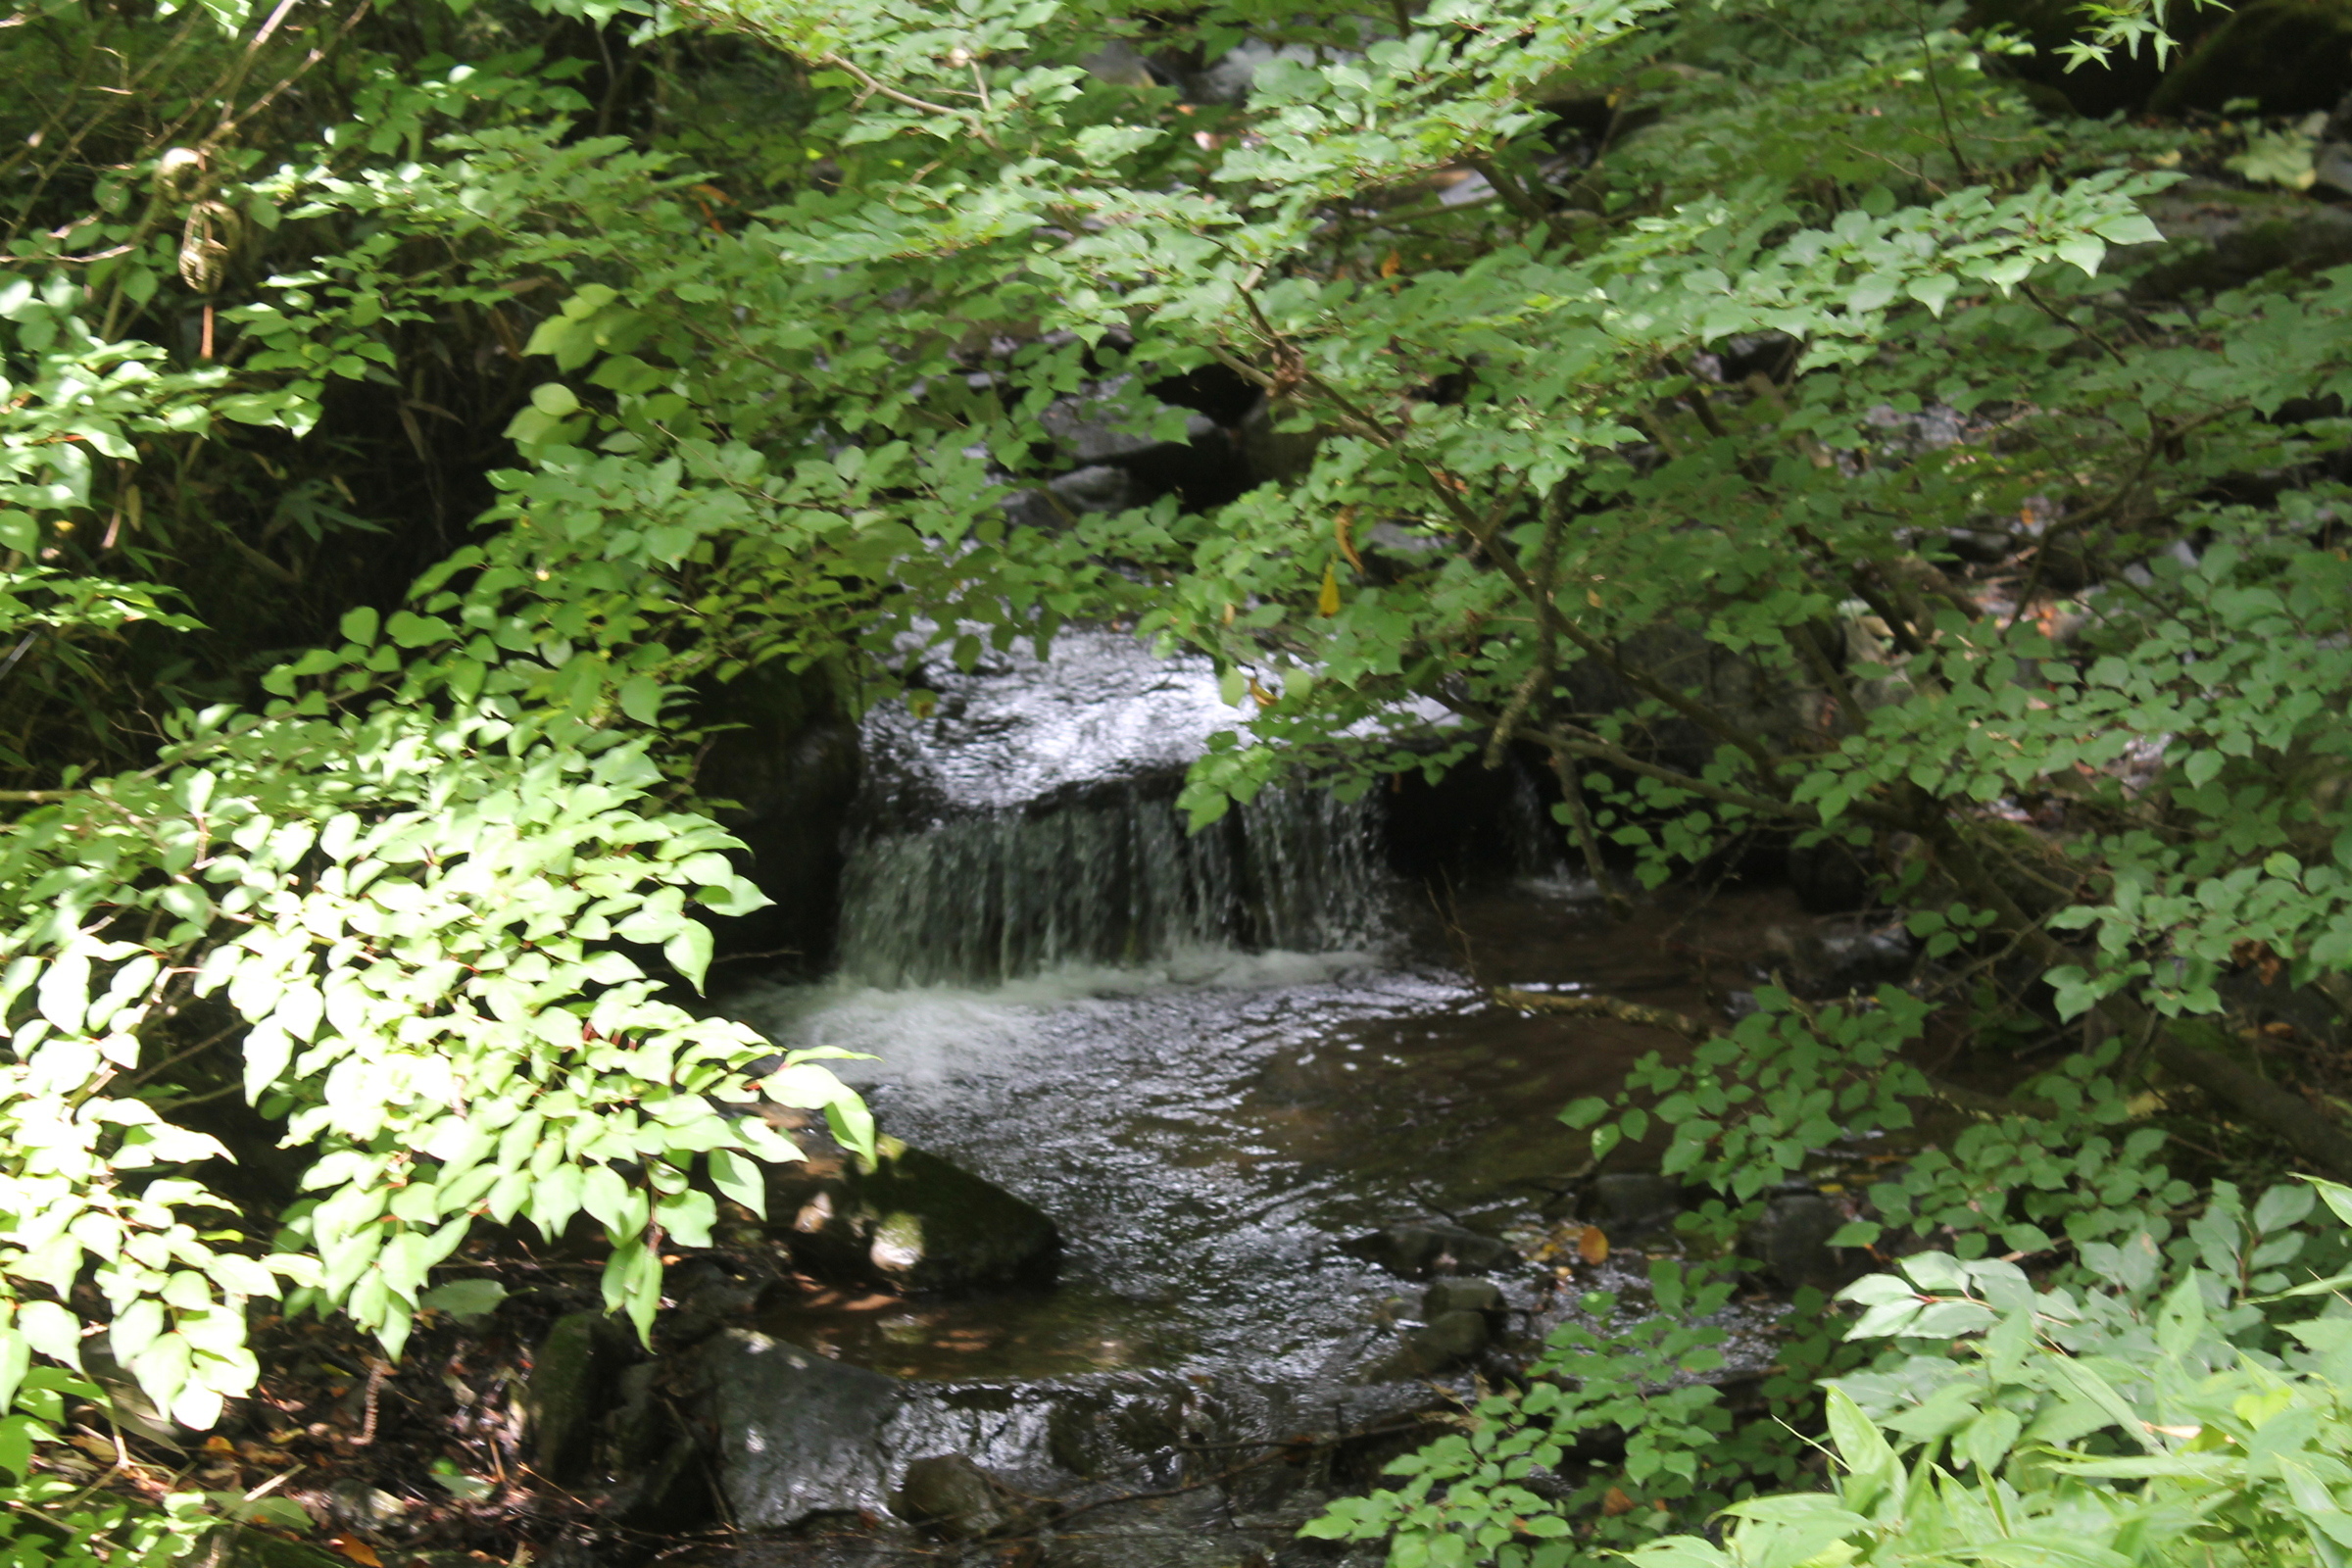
[(1111, 879)]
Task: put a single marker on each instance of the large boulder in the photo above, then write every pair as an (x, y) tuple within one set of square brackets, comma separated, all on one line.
[(791, 1434), (1449, 1340), (796, 1434), (1631, 1203), (907, 1221)]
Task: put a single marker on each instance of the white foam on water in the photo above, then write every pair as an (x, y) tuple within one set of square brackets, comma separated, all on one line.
[(928, 1036)]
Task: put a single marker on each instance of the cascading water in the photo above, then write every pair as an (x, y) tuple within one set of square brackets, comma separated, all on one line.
[(1028, 819), (1007, 894)]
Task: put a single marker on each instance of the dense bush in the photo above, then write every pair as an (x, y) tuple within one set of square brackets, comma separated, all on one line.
[(1632, 379)]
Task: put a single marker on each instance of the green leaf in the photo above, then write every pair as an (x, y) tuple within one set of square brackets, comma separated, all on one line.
[(1585, 1111), (16, 1359), (51, 1330), (269, 1051), (687, 1216), (1934, 290), (469, 1300), (62, 992), (1873, 1473), (689, 951), (739, 1179), (2128, 228), (641, 699), (2085, 250)]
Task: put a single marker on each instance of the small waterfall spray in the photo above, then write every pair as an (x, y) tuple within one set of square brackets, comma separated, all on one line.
[(1112, 879)]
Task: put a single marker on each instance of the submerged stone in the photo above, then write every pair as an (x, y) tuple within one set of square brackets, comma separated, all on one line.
[(951, 1497), (909, 1221), (1449, 1340), (1418, 1251), (1461, 1295)]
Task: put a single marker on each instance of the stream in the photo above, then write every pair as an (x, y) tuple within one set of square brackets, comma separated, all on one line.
[(1212, 1061)]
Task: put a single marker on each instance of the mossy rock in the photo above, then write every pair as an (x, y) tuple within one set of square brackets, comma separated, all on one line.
[(2292, 57), (574, 1372)]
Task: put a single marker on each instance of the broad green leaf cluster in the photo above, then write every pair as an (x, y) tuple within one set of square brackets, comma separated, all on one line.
[(2180, 1421)]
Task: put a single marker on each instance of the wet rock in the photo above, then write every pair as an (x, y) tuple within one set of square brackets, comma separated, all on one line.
[(1627, 1203), (1275, 451), (707, 1296), (1118, 63), (632, 1418), (798, 1433), (1446, 1342), (1792, 1240), (128, 1404), (1192, 1531), (1118, 420), (1461, 1295), (950, 1497), (1098, 487), (1873, 955), (909, 1221), (1228, 79), (2290, 56), (1418, 1251), (1787, 712), (1127, 447), (1114, 1428), (1450, 1338), (2332, 159), (574, 1378)]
